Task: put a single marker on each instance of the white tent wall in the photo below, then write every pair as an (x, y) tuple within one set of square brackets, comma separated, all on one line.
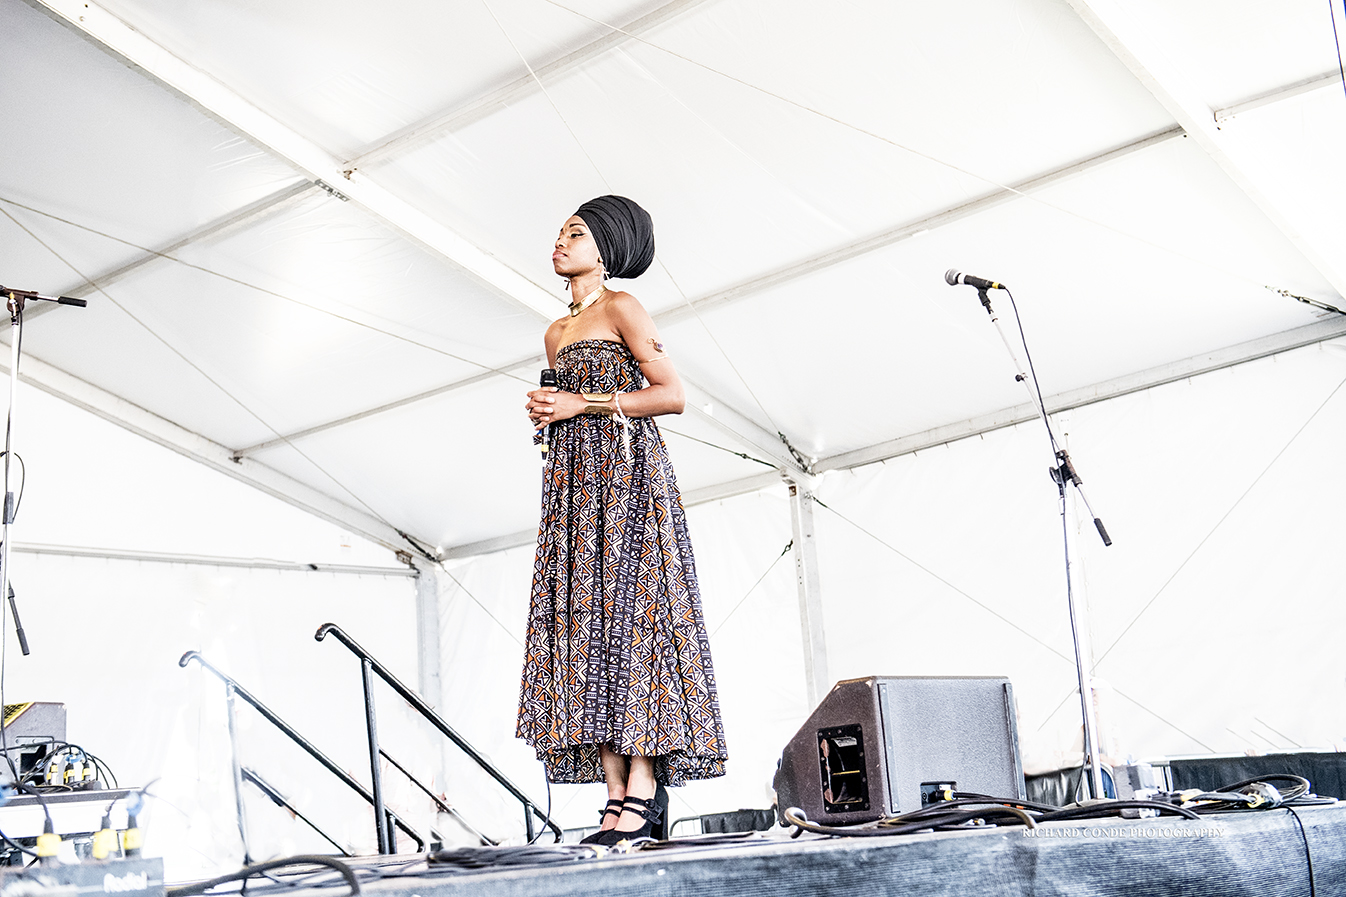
[(107, 633), (1210, 613)]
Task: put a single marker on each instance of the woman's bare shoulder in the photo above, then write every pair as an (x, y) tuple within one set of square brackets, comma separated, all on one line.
[(622, 305), (553, 337)]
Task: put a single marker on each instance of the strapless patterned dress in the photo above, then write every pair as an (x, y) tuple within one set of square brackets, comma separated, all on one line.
[(616, 651)]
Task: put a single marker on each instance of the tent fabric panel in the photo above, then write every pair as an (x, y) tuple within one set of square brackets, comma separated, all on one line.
[(1276, 145), (1110, 304), (111, 150), (320, 65), (1245, 49), (698, 135)]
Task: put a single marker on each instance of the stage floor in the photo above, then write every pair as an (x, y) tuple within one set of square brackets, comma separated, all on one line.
[(1264, 853)]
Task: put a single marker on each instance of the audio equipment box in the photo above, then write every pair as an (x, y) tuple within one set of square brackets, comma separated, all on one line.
[(881, 746)]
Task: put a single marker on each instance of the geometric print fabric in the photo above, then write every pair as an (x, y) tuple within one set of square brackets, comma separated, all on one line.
[(616, 651)]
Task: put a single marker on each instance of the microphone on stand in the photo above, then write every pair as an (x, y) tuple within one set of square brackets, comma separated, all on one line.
[(953, 277), (29, 294), (548, 378)]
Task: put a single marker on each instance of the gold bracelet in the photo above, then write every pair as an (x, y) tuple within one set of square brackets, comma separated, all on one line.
[(594, 398)]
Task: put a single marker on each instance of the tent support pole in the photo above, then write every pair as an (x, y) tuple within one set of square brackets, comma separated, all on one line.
[(428, 648), (810, 593)]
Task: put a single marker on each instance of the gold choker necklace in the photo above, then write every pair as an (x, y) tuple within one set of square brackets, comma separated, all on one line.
[(581, 304)]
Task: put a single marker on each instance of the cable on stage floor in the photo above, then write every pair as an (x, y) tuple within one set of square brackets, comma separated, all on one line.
[(248, 872), (972, 811), (472, 858), (959, 811)]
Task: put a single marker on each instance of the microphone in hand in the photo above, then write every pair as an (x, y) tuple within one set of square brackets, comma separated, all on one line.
[(547, 379)]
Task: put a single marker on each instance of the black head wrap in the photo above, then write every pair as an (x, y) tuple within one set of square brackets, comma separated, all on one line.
[(624, 233)]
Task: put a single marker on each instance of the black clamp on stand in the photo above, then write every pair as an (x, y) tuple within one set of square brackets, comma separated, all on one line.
[(1063, 473), (14, 303)]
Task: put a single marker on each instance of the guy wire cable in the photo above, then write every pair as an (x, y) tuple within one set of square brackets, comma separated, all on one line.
[(1024, 194), (724, 448), (753, 588), (1238, 501), (579, 143), (252, 286), (583, 149), (468, 592), (942, 580), (1075, 690), (202, 372)]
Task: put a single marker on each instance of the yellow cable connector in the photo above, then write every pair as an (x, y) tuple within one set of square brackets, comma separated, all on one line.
[(104, 841), (48, 845), (132, 841)]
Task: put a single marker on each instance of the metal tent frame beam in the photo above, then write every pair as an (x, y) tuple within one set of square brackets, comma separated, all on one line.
[(739, 427), (764, 282), (218, 101), (1210, 362), (1129, 41), (690, 498), (160, 431), (911, 229), (462, 115), (1279, 95), (203, 560), (1172, 372), (215, 99), (1106, 17), (223, 104), (249, 214)]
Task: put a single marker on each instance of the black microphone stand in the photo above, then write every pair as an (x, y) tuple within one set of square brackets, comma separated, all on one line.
[(14, 302), (1063, 473)]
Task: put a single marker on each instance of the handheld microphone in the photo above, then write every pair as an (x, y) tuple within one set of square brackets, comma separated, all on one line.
[(953, 277), (548, 378)]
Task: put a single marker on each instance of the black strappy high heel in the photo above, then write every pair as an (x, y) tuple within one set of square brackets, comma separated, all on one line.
[(653, 810), (614, 808)]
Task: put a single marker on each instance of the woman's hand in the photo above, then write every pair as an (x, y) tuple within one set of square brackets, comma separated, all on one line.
[(549, 405)]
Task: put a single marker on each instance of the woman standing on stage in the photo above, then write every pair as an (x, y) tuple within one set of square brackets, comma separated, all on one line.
[(617, 678)]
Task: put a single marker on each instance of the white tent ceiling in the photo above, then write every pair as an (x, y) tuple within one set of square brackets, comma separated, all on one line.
[(314, 236)]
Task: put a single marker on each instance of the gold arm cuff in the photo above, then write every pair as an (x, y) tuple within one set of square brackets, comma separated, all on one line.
[(596, 400)]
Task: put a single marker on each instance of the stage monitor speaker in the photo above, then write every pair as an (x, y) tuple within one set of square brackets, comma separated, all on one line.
[(879, 746)]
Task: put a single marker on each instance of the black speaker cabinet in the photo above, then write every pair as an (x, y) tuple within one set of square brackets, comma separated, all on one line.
[(877, 747)]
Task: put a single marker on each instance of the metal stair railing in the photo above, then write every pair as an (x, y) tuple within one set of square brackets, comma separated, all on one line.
[(283, 802), (440, 805), (386, 819), (369, 666)]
